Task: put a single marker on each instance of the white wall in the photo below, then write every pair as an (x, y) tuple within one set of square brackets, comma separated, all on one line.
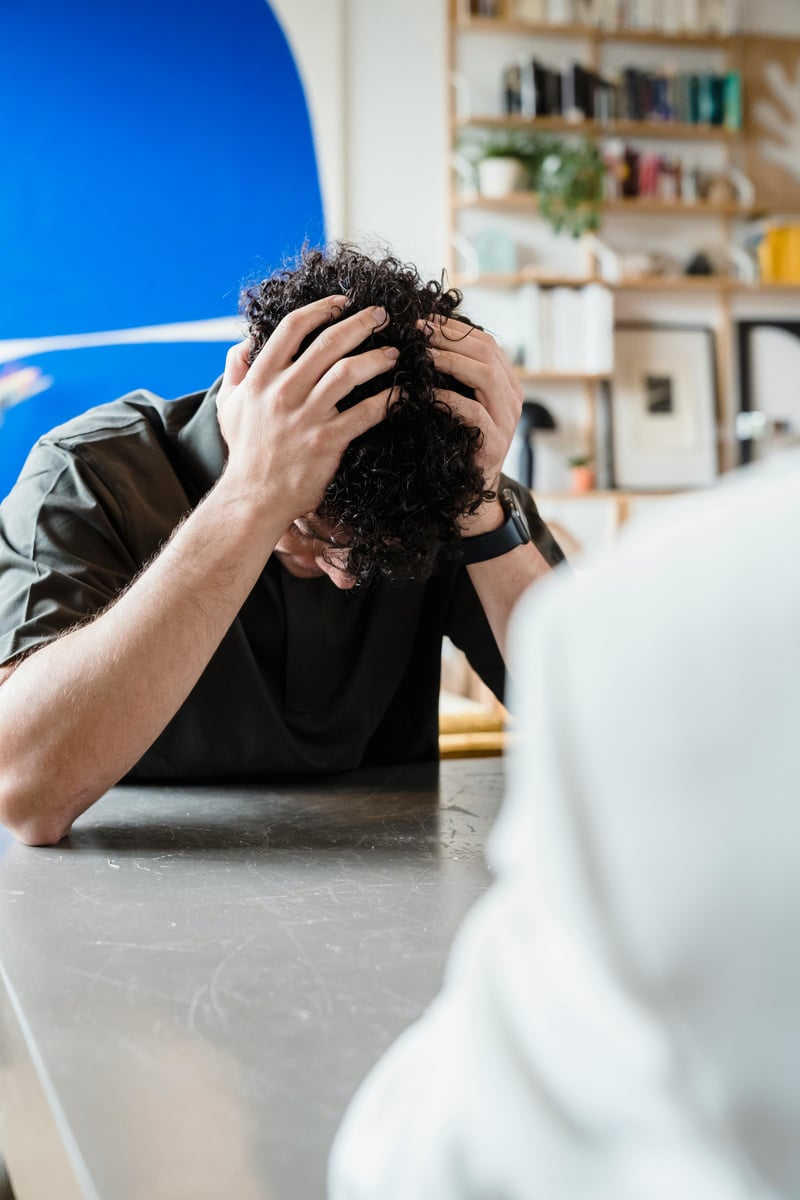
[(398, 129), (374, 74), (316, 31)]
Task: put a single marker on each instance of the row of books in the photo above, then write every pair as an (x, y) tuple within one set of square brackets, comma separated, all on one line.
[(533, 89), (632, 173), (568, 329), (663, 16)]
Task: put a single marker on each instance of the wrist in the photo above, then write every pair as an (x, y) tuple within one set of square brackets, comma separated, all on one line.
[(490, 516), (496, 540), (253, 505)]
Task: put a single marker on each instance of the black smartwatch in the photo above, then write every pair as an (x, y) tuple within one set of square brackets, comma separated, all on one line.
[(514, 532)]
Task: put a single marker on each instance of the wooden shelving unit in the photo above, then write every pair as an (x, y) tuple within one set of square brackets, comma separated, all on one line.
[(747, 53)]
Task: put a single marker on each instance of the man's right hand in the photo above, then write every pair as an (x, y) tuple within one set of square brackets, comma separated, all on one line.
[(284, 433)]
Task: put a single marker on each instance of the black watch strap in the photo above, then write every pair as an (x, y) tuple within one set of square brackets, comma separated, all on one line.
[(512, 533)]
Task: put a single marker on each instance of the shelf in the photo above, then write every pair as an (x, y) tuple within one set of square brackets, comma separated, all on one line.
[(636, 206), (515, 202), (519, 278), (640, 283), (674, 130), (592, 33), (652, 205), (560, 376), (619, 494), (699, 283), (677, 283)]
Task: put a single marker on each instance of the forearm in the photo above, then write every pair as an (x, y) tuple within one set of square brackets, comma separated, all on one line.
[(78, 713), (500, 583)]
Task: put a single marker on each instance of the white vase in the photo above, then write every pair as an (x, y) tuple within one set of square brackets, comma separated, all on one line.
[(500, 176)]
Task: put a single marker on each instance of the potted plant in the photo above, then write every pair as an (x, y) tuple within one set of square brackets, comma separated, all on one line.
[(570, 186), (581, 473), (502, 166), (566, 173)]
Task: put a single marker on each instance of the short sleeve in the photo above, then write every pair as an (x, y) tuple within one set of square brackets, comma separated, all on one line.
[(63, 555), (467, 627)]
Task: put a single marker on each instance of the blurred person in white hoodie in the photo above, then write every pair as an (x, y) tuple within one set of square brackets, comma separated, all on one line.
[(620, 1017)]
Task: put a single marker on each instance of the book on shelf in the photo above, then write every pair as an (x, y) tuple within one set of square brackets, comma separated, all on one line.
[(566, 316), (567, 330), (536, 336), (598, 314)]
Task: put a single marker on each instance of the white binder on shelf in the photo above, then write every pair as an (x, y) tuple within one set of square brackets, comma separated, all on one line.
[(598, 329)]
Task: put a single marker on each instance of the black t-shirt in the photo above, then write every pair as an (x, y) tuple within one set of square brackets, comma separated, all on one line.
[(309, 677)]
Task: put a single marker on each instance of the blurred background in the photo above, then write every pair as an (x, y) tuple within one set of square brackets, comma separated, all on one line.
[(157, 157)]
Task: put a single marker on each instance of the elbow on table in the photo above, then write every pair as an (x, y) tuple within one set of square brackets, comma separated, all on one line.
[(19, 815)]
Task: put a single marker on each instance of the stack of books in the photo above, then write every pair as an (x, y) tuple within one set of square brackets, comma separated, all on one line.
[(568, 329)]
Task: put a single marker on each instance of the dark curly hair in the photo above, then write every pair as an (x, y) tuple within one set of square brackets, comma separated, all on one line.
[(402, 486)]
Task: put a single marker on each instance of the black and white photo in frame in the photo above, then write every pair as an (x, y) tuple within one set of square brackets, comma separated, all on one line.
[(663, 408)]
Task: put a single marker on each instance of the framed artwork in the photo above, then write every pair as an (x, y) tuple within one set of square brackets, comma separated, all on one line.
[(768, 358), (663, 408)]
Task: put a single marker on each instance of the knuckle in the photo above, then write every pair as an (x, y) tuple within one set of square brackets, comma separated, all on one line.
[(316, 441), (281, 394), (344, 372), (293, 320), (236, 356), (326, 342)]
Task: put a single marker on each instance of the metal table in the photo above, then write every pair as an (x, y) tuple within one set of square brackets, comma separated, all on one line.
[(194, 983)]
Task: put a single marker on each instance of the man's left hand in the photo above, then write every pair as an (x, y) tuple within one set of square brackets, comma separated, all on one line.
[(473, 357)]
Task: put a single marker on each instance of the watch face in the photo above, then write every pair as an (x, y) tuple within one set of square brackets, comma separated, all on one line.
[(509, 502)]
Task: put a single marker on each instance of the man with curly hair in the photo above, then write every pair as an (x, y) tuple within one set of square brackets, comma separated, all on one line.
[(166, 609)]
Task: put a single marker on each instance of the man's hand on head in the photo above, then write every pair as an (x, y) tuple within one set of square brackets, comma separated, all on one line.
[(279, 416), (474, 358)]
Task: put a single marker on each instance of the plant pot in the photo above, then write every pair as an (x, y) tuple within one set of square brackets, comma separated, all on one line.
[(500, 176), (581, 480)]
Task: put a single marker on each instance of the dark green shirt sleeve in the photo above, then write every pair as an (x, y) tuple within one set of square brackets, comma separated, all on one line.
[(62, 553)]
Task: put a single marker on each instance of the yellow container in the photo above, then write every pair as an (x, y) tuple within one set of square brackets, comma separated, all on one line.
[(779, 254)]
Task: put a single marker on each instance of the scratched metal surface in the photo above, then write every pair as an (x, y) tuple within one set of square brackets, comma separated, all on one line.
[(194, 983)]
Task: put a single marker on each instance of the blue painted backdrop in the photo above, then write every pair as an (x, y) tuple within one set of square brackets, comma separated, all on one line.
[(155, 156)]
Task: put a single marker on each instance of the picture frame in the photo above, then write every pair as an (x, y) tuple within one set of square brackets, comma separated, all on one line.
[(663, 408), (768, 354)]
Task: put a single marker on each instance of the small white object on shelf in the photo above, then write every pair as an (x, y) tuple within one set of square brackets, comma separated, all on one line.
[(499, 177)]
